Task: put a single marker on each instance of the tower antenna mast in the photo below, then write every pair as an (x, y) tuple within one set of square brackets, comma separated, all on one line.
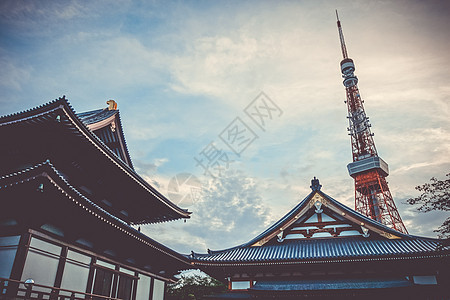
[(372, 195), (341, 37)]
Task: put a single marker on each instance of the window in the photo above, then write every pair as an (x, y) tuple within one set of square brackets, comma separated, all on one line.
[(8, 249), (103, 282), (110, 282), (143, 288), (41, 256), (240, 285), (158, 290), (105, 264), (425, 279), (76, 272), (125, 287)]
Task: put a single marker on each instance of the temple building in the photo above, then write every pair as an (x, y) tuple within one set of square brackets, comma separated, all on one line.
[(323, 249), (69, 196)]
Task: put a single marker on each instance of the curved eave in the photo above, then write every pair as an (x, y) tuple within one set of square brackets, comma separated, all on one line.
[(48, 172), (301, 208), (63, 105), (96, 118), (222, 264), (326, 251), (94, 122), (122, 137)]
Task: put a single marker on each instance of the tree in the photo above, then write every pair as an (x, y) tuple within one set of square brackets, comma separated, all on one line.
[(435, 196), (193, 286)]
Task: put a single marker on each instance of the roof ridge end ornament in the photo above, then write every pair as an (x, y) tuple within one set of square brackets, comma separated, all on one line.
[(112, 104), (315, 184)]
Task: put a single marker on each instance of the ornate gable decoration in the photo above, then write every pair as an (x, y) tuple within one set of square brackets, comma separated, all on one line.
[(319, 221), (319, 216)]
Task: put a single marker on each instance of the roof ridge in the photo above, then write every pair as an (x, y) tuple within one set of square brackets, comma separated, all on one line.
[(99, 144), (123, 139), (118, 161), (23, 171), (40, 107), (276, 224)]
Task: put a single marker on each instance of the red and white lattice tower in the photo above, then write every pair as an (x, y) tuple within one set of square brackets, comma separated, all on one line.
[(372, 195)]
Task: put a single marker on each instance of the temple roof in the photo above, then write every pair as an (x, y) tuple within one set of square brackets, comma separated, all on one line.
[(321, 229), (46, 178), (95, 116), (321, 250), (107, 126), (54, 131)]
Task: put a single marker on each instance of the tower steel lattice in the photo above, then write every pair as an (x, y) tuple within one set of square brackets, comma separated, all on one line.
[(372, 195)]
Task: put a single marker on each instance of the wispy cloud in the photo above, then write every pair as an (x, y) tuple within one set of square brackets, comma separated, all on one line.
[(14, 74), (230, 207), (182, 71)]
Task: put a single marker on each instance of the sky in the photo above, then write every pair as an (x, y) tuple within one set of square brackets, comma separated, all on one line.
[(188, 77)]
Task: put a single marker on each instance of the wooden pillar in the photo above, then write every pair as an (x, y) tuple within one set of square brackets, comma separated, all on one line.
[(115, 282), (135, 285), (19, 263), (152, 282), (60, 271), (90, 281)]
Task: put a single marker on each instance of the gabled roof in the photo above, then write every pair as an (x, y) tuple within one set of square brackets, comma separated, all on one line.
[(320, 229), (96, 116), (106, 124), (149, 205), (308, 204)]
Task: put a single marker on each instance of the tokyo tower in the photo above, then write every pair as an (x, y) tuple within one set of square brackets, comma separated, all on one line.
[(372, 195)]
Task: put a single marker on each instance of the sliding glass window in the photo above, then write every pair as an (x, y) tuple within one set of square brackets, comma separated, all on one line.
[(41, 256), (8, 250)]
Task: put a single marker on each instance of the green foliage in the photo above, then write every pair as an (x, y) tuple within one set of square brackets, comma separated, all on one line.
[(435, 196), (194, 287)]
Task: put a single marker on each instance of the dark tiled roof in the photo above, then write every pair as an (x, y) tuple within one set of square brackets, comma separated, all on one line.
[(331, 284), (47, 170), (61, 110), (313, 250), (95, 116), (98, 115), (388, 244), (33, 112)]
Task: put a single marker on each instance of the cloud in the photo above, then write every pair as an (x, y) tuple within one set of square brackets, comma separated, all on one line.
[(14, 75), (181, 72), (148, 171), (230, 207), (40, 17)]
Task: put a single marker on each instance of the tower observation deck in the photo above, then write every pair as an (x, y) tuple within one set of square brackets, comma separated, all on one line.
[(372, 195)]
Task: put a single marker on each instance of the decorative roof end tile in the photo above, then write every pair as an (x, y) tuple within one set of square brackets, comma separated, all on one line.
[(315, 184)]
